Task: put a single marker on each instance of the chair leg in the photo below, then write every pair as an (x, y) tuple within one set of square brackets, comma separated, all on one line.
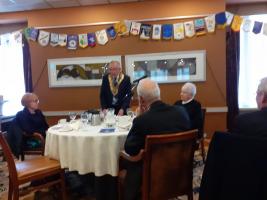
[(190, 196), (203, 154), (63, 186), (16, 194), (10, 190)]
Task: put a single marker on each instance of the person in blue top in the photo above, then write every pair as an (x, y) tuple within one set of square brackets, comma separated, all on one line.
[(31, 118)]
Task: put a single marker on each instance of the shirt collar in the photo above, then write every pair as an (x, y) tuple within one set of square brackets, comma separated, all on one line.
[(185, 102)]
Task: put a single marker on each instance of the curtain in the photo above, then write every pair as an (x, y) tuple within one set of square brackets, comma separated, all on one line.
[(27, 65), (232, 75)]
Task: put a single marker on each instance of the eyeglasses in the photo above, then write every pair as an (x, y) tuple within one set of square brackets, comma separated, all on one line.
[(36, 101)]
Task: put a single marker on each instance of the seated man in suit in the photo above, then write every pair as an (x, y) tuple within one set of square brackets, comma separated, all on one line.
[(154, 117), (115, 90), (254, 123), (192, 106)]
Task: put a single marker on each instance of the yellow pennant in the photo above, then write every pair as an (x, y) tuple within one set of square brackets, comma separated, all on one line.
[(236, 24)]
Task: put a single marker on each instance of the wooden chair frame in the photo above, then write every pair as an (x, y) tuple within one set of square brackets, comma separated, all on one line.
[(188, 139), (31, 170)]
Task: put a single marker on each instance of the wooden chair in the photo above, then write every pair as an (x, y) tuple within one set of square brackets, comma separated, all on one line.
[(167, 165), (17, 140), (200, 141), (31, 170), (35, 150)]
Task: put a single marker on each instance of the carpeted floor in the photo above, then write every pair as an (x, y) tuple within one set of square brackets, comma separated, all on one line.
[(88, 194)]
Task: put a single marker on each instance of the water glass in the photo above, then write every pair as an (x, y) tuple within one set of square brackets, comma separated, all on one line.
[(84, 118), (130, 113), (72, 116)]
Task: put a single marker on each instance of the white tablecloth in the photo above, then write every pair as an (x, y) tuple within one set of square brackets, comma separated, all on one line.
[(87, 150)]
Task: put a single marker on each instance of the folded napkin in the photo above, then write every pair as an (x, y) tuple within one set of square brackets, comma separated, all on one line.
[(75, 124)]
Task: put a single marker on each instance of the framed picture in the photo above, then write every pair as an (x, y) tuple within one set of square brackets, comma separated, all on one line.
[(168, 67), (78, 72)]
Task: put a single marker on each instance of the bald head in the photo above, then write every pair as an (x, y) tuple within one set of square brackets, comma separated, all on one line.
[(261, 97), (148, 90)]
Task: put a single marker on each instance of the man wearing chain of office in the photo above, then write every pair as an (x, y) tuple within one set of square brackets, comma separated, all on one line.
[(115, 90)]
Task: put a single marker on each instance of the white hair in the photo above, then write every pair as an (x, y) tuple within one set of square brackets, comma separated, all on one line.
[(190, 88), (148, 90), (263, 86)]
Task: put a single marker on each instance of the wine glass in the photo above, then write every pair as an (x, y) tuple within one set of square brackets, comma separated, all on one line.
[(72, 116)]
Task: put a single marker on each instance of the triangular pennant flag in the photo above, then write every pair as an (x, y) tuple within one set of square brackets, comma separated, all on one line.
[(237, 21), (200, 27), (111, 32), (101, 37), (264, 29), (246, 25), (54, 39), (33, 34), (135, 28), (220, 20), (229, 18), (17, 37), (210, 23), (257, 27), (189, 29), (167, 31), (178, 31), (83, 40), (27, 32), (43, 38), (72, 42), (156, 33), (145, 31), (62, 39), (91, 39), (122, 28)]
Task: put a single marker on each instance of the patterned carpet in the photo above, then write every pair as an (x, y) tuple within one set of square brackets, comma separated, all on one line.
[(48, 195)]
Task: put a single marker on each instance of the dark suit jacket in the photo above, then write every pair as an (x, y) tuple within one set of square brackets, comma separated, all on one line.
[(160, 118), (252, 124), (235, 169), (31, 123), (193, 109), (106, 95)]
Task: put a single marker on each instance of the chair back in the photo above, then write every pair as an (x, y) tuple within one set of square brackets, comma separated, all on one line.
[(168, 165), (236, 168), (9, 158)]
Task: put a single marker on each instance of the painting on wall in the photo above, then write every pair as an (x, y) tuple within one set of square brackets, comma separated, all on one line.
[(168, 67), (78, 72)]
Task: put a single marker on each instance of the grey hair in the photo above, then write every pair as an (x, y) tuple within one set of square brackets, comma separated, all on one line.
[(115, 62), (149, 90), (190, 88), (263, 86), (26, 99)]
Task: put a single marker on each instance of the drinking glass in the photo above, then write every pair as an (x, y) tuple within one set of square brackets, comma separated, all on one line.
[(72, 116), (84, 118), (130, 113)]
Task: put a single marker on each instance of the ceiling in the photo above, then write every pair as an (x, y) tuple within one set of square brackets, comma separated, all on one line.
[(23, 5)]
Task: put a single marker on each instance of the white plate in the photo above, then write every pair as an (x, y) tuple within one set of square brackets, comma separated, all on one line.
[(65, 129)]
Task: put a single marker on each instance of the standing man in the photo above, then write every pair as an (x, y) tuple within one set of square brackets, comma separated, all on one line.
[(154, 117), (115, 89), (254, 124)]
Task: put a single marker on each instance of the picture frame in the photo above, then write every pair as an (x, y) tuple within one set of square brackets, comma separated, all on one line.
[(168, 67), (79, 71)]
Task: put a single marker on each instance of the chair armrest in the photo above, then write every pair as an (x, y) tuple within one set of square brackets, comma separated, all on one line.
[(135, 158)]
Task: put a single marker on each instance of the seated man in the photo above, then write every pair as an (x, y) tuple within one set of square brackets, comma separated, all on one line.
[(192, 106), (254, 123), (154, 117)]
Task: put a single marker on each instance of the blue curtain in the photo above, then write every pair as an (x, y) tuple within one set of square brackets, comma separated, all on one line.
[(27, 65), (232, 75)]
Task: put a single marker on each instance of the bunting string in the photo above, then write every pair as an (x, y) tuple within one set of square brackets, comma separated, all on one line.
[(191, 26)]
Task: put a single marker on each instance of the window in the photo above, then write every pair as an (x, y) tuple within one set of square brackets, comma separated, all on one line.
[(12, 85), (253, 63)]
